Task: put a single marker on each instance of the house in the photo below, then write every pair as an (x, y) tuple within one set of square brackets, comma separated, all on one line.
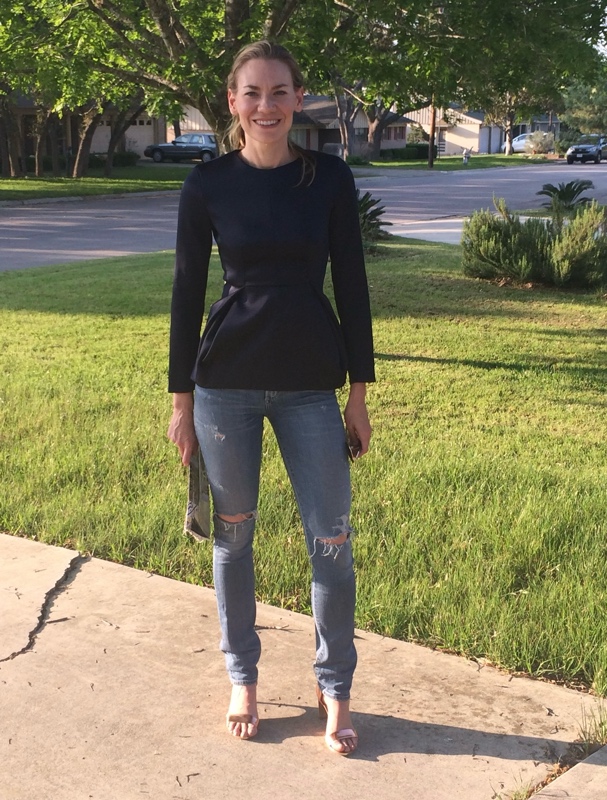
[(313, 127), (457, 129), (146, 129)]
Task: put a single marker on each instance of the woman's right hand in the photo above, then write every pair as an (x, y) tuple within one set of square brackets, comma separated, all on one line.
[(181, 427)]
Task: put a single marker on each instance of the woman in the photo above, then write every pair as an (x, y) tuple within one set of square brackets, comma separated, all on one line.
[(272, 347)]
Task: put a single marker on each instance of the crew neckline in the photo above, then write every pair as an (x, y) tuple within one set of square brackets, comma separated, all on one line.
[(241, 160)]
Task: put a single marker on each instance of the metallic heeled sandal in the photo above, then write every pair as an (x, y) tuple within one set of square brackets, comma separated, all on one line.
[(244, 719), (338, 736)]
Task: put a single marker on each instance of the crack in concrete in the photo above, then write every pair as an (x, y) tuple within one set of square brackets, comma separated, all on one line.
[(73, 567)]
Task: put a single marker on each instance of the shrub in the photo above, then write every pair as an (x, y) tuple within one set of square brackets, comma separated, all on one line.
[(566, 196), (47, 163), (412, 152), (572, 253), (540, 142), (357, 161), (370, 214), (579, 253), (126, 159), (96, 160), (565, 140), (504, 246)]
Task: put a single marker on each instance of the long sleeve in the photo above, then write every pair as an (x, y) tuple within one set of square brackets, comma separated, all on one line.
[(350, 280), (193, 250)]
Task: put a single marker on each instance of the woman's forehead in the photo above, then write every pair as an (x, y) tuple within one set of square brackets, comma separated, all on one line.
[(264, 72)]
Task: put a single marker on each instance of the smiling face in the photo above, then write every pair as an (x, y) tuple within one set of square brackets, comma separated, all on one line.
[(264, 101)]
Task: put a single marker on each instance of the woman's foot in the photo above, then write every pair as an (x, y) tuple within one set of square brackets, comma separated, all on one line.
[(242, 719), (340, 736)]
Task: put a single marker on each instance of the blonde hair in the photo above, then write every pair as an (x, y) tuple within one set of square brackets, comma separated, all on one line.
[(268, 51)]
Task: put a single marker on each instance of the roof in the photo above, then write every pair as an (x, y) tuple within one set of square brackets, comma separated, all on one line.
[(320, 111)]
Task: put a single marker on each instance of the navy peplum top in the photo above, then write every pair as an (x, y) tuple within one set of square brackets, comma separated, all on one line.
[(272, 328)]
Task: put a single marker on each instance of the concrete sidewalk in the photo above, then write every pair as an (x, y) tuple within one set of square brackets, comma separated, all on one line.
[(443, 229), (112, 688)]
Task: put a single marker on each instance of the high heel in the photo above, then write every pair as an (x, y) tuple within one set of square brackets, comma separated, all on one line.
[(323, 711), (331, 739)]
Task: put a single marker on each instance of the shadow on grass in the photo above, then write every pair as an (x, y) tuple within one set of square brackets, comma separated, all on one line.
[(573, 369)]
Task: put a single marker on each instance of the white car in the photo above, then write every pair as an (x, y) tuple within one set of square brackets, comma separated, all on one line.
[(518, 143)]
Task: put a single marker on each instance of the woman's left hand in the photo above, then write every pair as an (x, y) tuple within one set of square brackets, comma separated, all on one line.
[(356, 418)]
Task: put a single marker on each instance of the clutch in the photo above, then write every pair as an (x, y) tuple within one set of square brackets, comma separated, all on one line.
[(198, 512)]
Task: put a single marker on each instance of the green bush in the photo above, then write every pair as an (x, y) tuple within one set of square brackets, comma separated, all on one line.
[(357, 161), (579, 253), (96, 161), (126, 159), (565, 140), (565, 196), (370, 215), (47, 163), (412, 152), (540, 142), (558, 253)]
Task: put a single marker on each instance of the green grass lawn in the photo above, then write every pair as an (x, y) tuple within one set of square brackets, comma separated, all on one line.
[(142, 178), (481, 510), (477, 161)]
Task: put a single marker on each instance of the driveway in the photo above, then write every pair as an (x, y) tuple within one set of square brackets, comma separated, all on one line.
[(55, 233)]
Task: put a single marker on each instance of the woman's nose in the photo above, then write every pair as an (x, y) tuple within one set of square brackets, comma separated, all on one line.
[(266, 102)]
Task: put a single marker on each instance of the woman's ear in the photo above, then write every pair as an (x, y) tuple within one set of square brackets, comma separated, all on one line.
[(299, 99), (231, 102)]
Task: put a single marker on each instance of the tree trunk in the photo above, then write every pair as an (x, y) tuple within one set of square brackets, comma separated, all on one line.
[(508, 131), (14, 142), (43, 116), (237, 13), (5, 170), (54, 127), (432, 135), (176, 127), (90, 120), (120, 126), (378, 119), (345, 116)]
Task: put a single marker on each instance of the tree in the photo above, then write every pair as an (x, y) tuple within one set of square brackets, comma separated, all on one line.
[(586, 103)]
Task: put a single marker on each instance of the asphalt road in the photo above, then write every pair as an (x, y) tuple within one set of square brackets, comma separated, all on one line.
[(425, 195), (55, 233)]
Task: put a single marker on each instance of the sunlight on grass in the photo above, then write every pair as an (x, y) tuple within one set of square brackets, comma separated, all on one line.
[(477, 161), (480, 510), (142, 178)]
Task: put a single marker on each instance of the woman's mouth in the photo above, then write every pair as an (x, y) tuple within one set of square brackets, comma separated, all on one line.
[(266, 123)]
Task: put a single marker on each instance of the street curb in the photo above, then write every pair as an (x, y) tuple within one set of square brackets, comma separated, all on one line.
[(38, 201), (584, 781)]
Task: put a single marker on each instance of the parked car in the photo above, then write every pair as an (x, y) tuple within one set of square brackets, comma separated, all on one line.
[(190, 145), (591, 147), (518, 143)]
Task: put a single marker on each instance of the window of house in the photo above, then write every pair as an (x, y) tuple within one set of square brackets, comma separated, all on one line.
[(298, 136)]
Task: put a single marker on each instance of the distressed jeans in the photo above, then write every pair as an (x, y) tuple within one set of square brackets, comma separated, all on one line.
[(311, 437)]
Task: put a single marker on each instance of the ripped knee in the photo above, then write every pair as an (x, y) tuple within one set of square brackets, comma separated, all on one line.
[(236, 518), (336, 540), (334, 545)]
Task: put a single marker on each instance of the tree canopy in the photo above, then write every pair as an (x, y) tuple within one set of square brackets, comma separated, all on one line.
[(383, 54)]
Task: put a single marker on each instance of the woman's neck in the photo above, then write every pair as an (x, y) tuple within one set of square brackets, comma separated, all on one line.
[(266, 157)]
